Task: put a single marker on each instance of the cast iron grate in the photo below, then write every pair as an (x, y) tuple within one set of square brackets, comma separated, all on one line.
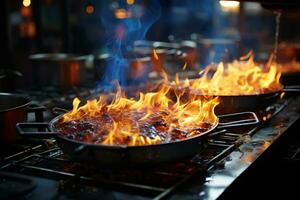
[(156, 183), (42, 158)]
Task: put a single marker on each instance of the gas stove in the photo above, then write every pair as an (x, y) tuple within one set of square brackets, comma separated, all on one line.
[(36, 168)]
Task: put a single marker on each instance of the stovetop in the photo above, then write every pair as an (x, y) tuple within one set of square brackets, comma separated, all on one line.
[(41, 170)]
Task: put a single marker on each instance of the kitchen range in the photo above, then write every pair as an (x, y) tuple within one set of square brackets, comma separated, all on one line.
[(171, 119)]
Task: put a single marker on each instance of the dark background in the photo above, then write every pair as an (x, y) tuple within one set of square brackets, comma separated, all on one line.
[(50, 26)]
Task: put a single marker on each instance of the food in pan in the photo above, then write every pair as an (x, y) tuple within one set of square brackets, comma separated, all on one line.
[(244, 77), (152, 119)]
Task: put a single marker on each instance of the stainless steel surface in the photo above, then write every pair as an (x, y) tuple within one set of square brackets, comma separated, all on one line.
[(230, 154), (218, 179), (210, 184)]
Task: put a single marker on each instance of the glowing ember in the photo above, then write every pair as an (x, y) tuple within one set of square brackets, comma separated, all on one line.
[(236, 78), (153, 118)]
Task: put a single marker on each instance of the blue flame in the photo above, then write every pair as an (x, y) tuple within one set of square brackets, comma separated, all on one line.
[(125, 23)]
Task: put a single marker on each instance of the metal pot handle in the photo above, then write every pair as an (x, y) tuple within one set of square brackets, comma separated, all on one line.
[(37, 110), (85, 148), (46, 133), (292, 88)]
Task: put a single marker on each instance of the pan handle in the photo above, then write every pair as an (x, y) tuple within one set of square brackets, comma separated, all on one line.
[(21, 129), (292, 88), (85, 148), (37, 110), (244, 119)]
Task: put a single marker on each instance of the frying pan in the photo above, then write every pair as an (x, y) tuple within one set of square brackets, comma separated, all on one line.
[(122, 155), (242, 103)]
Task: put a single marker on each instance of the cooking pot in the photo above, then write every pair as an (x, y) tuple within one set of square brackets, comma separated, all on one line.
[(169, 57), (13, 109), (138, 69), (59, 69)]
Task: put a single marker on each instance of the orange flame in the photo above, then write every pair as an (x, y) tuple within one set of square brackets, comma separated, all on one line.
[(236, 78), (127, 118), (155, 54), (184, 66)]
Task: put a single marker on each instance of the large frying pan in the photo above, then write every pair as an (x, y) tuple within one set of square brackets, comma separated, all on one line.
[(242, 103), (127, 156)]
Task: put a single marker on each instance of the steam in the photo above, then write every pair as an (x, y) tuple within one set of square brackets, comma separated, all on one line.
[(125, 23)]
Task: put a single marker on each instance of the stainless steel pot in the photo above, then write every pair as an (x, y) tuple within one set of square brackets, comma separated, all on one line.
[(13, 109), (59, 69), (139, 67)]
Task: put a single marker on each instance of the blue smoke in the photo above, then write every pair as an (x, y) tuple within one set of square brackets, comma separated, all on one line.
[(124, 24)]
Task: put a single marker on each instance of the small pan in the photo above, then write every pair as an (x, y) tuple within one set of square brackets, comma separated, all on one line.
[(242, 103), (128, 156)]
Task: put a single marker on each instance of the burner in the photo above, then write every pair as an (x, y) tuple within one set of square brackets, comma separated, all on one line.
[(227, 152)]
